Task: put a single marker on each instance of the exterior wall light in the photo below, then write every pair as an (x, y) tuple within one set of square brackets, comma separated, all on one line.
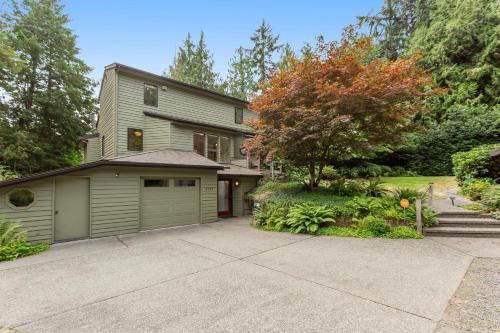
[(236, 183)]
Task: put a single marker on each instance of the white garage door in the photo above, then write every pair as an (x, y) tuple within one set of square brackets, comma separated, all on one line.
[(169, 202)]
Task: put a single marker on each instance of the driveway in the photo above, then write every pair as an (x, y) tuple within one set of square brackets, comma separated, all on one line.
[(229, 277)]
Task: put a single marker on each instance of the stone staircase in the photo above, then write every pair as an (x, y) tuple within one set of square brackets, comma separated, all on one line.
[(464, 224)]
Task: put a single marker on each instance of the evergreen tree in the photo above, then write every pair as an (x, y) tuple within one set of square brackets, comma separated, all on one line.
[(461, 46), (265, 47), (180, 70), (287, 58), (394, 25), (240, 82), (48, 98), (194, 63)]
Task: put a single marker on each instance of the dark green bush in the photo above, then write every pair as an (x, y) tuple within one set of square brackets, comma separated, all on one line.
[(474, 188), (491, 198), (475, 163), (376, 225), (400, 193), (375, 188), (13, 242)]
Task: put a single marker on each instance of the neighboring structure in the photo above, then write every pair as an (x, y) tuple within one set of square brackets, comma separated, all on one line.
[(163, 154)]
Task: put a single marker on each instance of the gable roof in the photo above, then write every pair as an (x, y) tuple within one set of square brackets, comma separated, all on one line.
[(161, 158), (174, 83)]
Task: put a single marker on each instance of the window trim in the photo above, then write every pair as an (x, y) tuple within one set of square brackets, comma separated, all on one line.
[(132, 130), (144, 94), (238, 119), (10, 205)]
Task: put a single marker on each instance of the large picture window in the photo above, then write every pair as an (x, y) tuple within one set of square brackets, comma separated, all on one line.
[(199, 143), (212, 147), (134, 139), (225, 149), (150, 95)]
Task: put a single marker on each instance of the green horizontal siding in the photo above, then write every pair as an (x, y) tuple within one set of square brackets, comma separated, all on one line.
[(37, 220)]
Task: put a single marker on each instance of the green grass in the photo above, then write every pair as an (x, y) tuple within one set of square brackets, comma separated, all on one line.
[(442, 184)]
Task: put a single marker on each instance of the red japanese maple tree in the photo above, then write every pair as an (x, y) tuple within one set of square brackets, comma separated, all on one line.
[(335, 103)]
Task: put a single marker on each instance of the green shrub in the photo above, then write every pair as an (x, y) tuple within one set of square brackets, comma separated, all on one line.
[(376, 225), (475, 163), (375, 188), (308, 218), (7, 174), (344, 232), (270, 215), (13, 242), (491, 198), (346, 187), (474, 188), (429, 217), (360, 207), (403, 232), (495, 214), (407, 193)]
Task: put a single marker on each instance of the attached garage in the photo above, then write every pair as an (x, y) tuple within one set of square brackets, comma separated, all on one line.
[(116, 196), (169, 202)]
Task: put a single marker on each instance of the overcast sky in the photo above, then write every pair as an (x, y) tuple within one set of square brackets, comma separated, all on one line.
[(146, 33)]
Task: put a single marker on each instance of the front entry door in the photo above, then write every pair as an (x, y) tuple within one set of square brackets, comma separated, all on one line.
[(224, 198), (72, 208)]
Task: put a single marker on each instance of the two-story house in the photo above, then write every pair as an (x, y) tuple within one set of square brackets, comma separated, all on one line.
[(163, 153)]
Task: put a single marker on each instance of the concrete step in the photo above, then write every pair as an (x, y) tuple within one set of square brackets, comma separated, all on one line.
[(477, 222), (459, 214), (462, 232)]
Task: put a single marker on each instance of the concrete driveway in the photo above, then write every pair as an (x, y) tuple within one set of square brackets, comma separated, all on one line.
[(229, 277)]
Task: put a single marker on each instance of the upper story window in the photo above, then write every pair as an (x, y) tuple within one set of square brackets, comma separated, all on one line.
[(213, 142), (238, 115), (134, 139), (199, 143), (225, 149), (150, 95)]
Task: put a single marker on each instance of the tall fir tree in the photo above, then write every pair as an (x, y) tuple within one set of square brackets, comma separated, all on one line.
[(193, 64), (48, 98), (181, 68), (287, 58), (240, 81), (395, 24), (265, 47)]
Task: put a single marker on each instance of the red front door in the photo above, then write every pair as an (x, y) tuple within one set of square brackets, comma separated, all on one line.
[(224, 198)]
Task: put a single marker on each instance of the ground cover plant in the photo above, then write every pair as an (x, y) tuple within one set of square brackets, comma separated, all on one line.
[(291, 207), (13, 243)]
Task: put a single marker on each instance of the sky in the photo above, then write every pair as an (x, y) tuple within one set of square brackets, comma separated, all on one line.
[(146, 33)]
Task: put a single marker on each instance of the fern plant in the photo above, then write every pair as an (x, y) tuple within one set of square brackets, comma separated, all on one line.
[(13, 242), (375, 188), (308, 218)]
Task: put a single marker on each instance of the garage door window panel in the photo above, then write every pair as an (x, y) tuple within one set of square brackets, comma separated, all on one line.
[(185, 182), (155, 182)]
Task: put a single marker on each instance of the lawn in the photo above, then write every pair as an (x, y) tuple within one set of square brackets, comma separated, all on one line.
[(442, 184)]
